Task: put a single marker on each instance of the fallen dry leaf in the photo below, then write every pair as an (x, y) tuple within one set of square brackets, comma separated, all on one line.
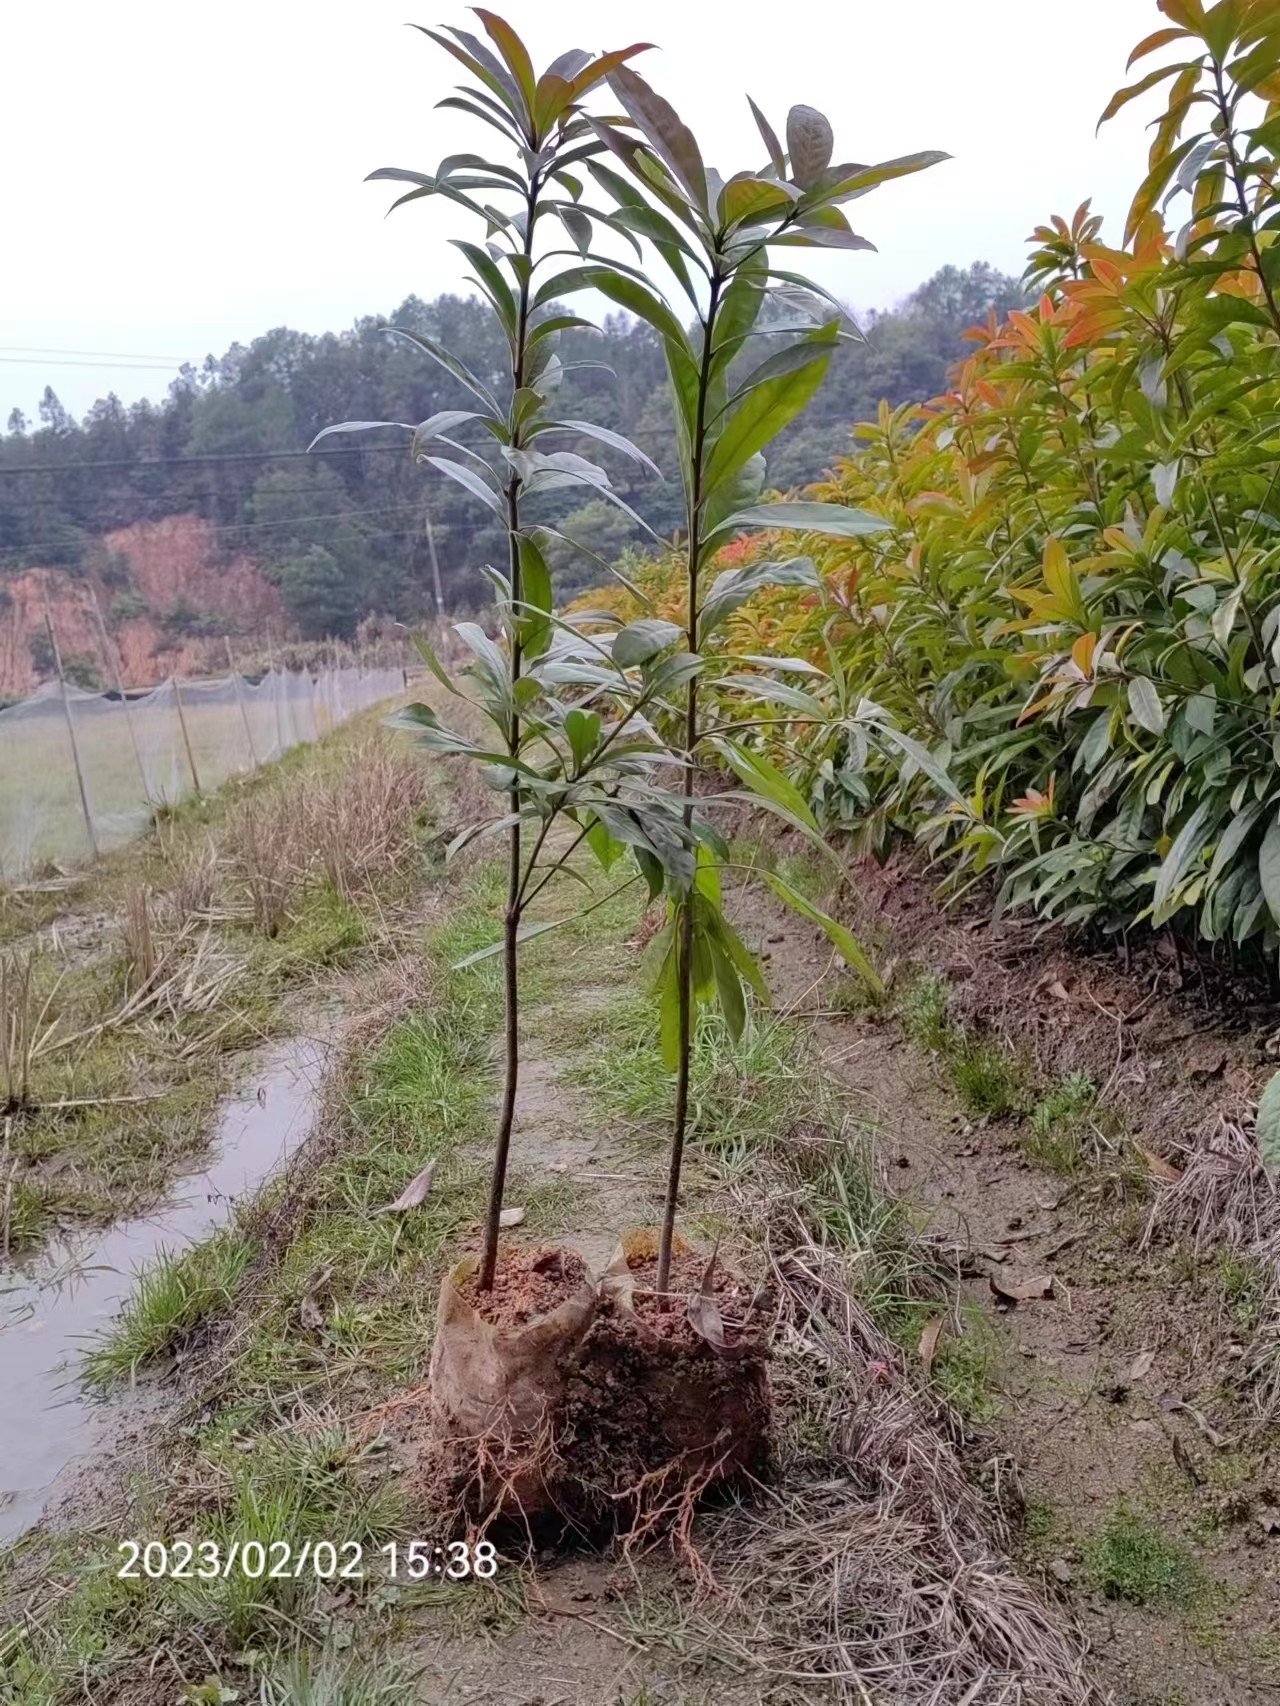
[(929, 1343), (1158, 1167), (1142, 1365), (702, 1310), (414, 1194), (310, 1312), (1059, 990), (511, 1217), (1200, 1419), (1021, 1291)]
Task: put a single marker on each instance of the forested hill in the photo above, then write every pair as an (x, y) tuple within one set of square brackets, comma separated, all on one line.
[(341, 531)]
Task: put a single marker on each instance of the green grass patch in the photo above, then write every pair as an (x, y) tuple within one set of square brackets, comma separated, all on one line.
[(1128, 1558), (173, 1296), (923, 1009), (984, 1075), (1054, 1130), (1244, 1289)]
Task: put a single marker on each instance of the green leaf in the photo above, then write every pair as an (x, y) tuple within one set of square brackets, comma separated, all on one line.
[(451, 364), (735, 586), (809, 143), (728, 987), (923, 760), (1267, 1127), (489, 278), (834, 519), (1122, 97), (428, 656), (526, 933), (1269, 868), (868, 177), (583, 731), (1144, 702), (767, 404), (474, 483), (769, 137), (534, 622), (357, 426), (1188, 845), (750, 199), (764, 778), (841, 938), (639, 641), (605, 435), (672, 140)]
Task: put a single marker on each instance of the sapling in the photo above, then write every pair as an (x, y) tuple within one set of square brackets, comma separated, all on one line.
[(715, 237), (587, 763)]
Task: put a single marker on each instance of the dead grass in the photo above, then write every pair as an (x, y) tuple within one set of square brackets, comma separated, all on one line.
[(886, 1578), (1225, 1197)]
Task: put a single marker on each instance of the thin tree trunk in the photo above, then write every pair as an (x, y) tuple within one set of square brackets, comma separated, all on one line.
[(684, 944), (511, 918)]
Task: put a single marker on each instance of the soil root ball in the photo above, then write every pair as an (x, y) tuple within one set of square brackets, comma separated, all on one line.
[(498, 1372), (669, 1396)]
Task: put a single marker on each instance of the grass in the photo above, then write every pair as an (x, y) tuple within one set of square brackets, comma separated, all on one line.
[(1055, 1125), (984, 1076), (172, 1297), (923, 1010), (1243, 1282), (1128, 1558), (170, 959), (983, 1072)]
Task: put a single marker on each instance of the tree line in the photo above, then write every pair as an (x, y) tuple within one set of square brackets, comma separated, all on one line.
[(342, 530)]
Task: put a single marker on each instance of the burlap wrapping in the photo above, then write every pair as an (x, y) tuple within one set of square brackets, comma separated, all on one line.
[(496, 1393)]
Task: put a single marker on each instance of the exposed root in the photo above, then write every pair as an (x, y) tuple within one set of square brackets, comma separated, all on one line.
[(1226, 1197)]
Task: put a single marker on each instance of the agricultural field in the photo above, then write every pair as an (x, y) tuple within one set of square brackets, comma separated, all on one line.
[(149, 756)]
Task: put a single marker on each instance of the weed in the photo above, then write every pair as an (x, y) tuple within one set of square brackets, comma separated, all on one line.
[(1244, 1289), (172, 1297), (1054, 1127), (983, 1074), (923, 1011), (1127, 1558)]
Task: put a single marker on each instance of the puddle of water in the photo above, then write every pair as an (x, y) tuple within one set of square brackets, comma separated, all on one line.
[(76, 1287)]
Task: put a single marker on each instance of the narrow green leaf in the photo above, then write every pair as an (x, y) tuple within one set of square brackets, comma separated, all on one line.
[(839, 935)]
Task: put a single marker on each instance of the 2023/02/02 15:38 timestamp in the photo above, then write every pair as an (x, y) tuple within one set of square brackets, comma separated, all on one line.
[(327, 1560)]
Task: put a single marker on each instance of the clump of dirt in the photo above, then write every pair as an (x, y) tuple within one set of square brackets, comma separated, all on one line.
[(528, 1282)]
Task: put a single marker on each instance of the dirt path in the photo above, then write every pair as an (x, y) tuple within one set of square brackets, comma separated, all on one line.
[(1093, 1391)]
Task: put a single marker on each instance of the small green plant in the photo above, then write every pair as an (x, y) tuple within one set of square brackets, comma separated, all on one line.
[(1055, 1125), (923, 1010), (1127, 1558), (1243, 1289), (984, 1075)]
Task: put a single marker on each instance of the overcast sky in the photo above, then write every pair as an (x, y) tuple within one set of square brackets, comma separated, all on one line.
[(186, 177)]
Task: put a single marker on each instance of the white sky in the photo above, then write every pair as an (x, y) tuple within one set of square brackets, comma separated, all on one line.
[(176, 178)]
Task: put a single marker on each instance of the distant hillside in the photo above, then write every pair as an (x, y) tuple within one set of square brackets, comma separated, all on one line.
[(170, 594), (330, 537)]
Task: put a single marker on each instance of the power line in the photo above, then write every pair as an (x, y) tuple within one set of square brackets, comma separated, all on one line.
[(244, 526), (185, 461), (57, 361), (113, 354)]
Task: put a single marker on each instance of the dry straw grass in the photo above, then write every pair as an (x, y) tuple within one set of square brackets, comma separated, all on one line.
[(356, 828), (1225, 1196), (885, 1581)]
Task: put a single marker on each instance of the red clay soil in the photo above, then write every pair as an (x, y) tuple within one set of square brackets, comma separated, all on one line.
[(665, 1314), (530, 1281)]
